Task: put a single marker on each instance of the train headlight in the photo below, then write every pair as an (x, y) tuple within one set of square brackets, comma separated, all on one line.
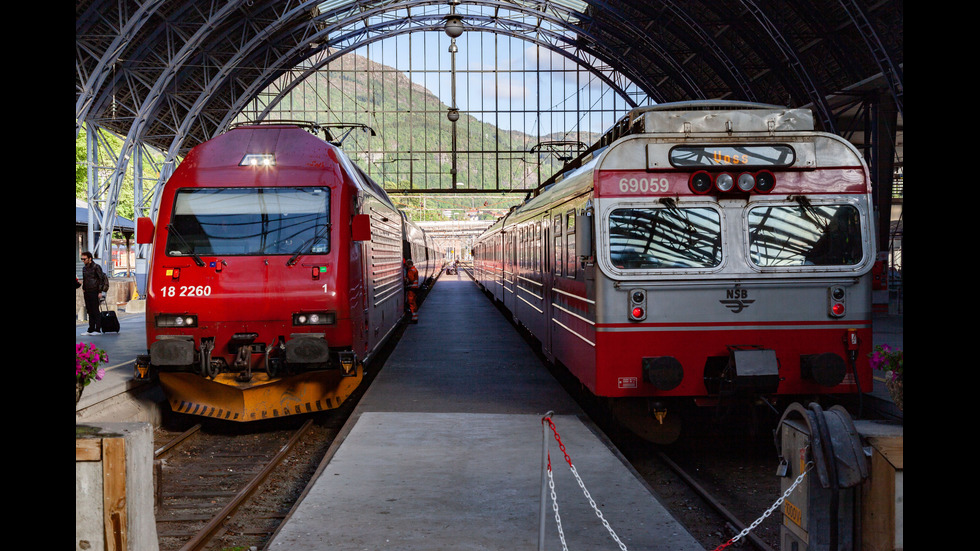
[(765, 181), (176, 320), (700, 182), (253, 159), (637, 305), (745, 182), (314, 318), (724, 182), (837, 298)]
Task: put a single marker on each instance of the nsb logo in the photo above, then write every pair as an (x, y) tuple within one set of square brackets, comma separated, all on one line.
[(736, 299)]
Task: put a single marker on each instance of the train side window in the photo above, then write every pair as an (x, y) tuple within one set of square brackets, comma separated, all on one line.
[(557, 228), (524, 248), (571, 264), (537, 247)]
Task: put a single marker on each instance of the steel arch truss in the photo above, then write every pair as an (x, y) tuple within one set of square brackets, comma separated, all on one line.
[(354, 39), (169, 75)]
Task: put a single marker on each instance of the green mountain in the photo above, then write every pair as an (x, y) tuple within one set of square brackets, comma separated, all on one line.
[(413, 146)]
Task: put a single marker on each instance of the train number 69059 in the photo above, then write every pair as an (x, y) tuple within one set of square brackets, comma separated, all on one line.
[(644, 185)]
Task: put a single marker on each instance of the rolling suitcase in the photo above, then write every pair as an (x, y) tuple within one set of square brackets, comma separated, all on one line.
[(110, 323)]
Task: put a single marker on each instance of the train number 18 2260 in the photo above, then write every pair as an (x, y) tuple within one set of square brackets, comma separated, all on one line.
[(644, 185), (186, 291)]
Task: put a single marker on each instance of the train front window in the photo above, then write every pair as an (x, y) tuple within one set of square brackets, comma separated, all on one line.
[(805, 235), (250, 221), (665, 238)]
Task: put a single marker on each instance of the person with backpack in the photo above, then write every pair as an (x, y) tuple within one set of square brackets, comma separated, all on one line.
[(94, 284)]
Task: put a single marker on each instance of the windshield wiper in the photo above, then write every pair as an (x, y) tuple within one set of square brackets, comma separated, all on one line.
[(302, 248), (197, 258)]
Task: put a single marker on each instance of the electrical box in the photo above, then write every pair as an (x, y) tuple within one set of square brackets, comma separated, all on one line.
[(818, 515)]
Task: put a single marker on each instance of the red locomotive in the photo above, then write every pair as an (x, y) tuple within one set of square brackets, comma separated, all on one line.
[(276, 273), (700, 253)]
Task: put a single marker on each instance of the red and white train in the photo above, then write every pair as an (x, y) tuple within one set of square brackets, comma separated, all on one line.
[(276, 273), (700, 252)]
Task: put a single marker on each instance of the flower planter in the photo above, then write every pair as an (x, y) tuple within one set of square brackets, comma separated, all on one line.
[(894, 385), (892, 362)]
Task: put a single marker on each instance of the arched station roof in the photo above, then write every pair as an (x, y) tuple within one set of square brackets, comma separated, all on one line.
[(172, 74)]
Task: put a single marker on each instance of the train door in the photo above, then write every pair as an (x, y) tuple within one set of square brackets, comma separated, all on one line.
[(548, 281), (366, 285), (510, 271), (356, 268)]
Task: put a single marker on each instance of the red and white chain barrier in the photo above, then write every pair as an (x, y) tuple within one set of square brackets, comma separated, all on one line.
[(770, 510), (554, 498)]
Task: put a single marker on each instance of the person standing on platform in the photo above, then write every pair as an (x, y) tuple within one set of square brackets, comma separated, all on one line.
[(94, 284), (412, 288)]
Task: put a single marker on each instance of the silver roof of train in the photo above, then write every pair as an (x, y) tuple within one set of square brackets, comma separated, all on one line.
[(692, 117)]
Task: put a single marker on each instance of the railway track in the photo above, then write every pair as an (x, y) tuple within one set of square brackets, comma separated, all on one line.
[(714, 483), (211, 482), (229, 486)]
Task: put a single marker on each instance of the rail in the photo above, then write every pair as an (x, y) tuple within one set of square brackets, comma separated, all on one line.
[(201, 538)]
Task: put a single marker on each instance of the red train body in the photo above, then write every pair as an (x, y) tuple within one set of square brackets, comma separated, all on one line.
[(703, 252), (276, 273)]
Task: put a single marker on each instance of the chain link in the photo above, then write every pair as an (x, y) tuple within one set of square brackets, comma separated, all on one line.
[(770, 510), (554, 498), (551, 484), (554, 505)]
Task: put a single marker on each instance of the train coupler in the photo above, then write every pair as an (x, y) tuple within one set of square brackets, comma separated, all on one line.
[(748, 370), (348, 363), (243, 358), (658, 411), (141, 371)]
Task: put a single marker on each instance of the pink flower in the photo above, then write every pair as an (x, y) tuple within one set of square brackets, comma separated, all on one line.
[(87, 361)]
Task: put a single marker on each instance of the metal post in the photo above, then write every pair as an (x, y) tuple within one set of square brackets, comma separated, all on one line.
[(544, 481)]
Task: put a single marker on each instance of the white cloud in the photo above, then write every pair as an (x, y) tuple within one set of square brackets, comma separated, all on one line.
[(504, 87)]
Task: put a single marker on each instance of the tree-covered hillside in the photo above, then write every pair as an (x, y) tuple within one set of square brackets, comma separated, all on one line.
[(412, 148)]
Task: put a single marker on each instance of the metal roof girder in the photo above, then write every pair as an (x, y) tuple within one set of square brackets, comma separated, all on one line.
[(889, 69), (97, 77), (637, 34), (715, 48), (325, 31), (816, 96), (195, 109), (151, 102)]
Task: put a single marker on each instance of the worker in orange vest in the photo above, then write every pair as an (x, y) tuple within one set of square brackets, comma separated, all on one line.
[(412, 287)]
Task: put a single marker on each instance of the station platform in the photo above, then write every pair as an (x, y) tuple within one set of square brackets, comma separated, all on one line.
[(444, 451)]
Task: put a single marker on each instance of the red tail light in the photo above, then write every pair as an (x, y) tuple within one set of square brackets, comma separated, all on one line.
[(764, 181), (700, 182)]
